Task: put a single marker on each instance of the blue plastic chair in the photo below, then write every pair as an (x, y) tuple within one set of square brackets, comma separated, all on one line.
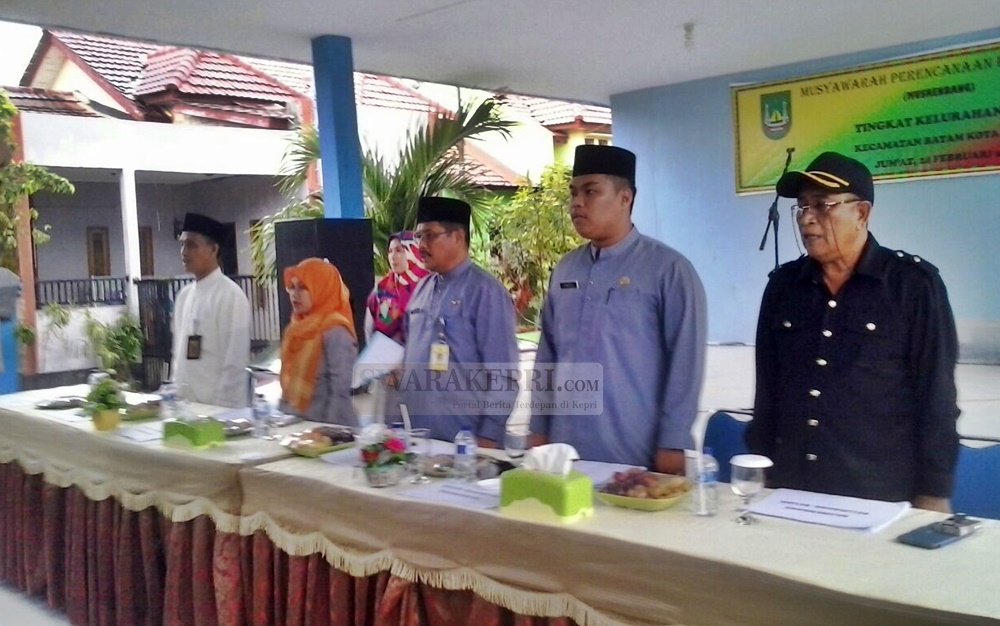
[(977, 479), (724, 435)]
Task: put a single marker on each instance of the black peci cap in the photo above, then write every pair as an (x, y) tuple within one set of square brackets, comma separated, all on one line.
[(203, 225), (610, 160), (434, 209)]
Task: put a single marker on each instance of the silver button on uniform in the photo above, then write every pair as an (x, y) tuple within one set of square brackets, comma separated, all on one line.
[(786, 324), (870, 326), (814, 393), (828, 333), (821, 362), (810, 457), (812, 422), (832, 304)]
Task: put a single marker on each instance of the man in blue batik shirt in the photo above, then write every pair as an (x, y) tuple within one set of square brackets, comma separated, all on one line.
[(636, 307), (461, 357)]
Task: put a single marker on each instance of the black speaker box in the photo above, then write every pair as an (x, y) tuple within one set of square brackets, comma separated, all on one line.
[(347, 243)]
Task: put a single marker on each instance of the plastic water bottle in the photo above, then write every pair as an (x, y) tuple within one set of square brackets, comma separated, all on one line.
[(706, 495), (168, 400), (465, 455), (261, 417)]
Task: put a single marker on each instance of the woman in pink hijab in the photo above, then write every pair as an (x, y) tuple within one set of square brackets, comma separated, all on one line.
[(388, 300)]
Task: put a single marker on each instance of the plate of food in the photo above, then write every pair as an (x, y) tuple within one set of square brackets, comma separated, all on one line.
[(319, 440), (644, 491)]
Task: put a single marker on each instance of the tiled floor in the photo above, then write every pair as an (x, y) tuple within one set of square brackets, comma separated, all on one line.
[(19, 610), (728, 385)]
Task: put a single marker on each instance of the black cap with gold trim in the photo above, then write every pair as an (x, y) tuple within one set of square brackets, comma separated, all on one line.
[(832, 171)]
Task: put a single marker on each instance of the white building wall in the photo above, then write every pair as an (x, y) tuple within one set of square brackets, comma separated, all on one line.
[(57, 140), (159, 207), (65, 254), (71, 78), (384, 130), (68, 348), (237, 199)]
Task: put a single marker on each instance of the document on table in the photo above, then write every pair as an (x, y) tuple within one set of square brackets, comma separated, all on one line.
[(828, 510), (142, 432), (468, 495)]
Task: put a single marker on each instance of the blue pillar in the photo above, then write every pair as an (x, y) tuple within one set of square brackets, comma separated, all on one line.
[(337, 115)]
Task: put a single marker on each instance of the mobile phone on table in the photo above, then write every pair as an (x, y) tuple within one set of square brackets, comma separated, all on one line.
[(941, 533)]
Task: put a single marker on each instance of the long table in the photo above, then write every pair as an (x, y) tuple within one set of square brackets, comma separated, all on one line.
[(246, 534), (115, 531), (629, 567)]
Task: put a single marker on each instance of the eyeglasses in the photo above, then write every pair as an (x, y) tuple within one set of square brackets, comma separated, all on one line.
[(819, 207), (428, 236)]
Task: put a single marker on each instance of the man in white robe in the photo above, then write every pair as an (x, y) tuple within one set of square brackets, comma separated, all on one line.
[(211, 323)]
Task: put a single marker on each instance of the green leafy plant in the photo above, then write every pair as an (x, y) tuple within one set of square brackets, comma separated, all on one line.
[(24, 334), (105, 395), (16, 181), (58, 315), (117, 345), (430, 163), (531, 232)]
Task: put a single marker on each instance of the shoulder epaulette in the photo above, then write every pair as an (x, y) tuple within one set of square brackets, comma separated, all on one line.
[(913, 259), (784, 266)]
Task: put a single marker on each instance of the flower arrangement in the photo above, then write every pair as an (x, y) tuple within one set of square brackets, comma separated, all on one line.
[(380, 447)]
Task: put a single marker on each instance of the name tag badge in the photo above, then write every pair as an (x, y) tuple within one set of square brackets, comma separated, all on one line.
[(439, 357), (569, 284), (194, 347)]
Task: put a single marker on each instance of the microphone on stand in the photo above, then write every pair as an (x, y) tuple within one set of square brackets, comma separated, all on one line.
[(772, 212)]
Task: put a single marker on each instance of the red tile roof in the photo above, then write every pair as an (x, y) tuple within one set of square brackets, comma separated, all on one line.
[(29, 100), (369, 89), (297, 76), (387, 92), (119, 61), (559, 112), (137, 68), (488, 172), (200, 73)]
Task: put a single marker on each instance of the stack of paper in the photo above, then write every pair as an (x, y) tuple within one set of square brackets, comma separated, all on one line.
[(839, 511)]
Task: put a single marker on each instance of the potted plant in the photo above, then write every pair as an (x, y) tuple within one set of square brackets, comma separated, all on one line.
[(384, 455), (104, 403), (117, 345)]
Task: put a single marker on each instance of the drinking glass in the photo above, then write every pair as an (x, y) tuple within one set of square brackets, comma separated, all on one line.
[(515, 442), (747, 480), (420, 446)]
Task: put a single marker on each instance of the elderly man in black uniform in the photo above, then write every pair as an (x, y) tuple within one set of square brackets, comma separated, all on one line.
[(856, 351)]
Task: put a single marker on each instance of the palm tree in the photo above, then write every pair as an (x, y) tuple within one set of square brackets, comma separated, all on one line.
[(429, 164)]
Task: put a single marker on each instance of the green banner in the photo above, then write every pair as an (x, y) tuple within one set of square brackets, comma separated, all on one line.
[(921, 116)]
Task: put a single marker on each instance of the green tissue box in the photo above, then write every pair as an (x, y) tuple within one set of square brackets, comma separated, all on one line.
[(541, 496), (200, 433)]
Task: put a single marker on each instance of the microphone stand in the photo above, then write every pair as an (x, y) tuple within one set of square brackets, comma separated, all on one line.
[(772, 213)]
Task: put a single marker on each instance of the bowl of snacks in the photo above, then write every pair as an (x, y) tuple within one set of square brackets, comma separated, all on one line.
[(645, 491), (319, 440)]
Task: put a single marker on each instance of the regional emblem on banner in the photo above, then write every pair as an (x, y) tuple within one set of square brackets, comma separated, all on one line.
[(776, 114)]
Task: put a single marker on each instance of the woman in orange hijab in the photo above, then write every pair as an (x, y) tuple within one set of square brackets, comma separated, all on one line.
[(319, 346)]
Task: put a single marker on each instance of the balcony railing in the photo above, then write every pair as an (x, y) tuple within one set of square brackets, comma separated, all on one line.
[(81, 291), (156, 305)]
